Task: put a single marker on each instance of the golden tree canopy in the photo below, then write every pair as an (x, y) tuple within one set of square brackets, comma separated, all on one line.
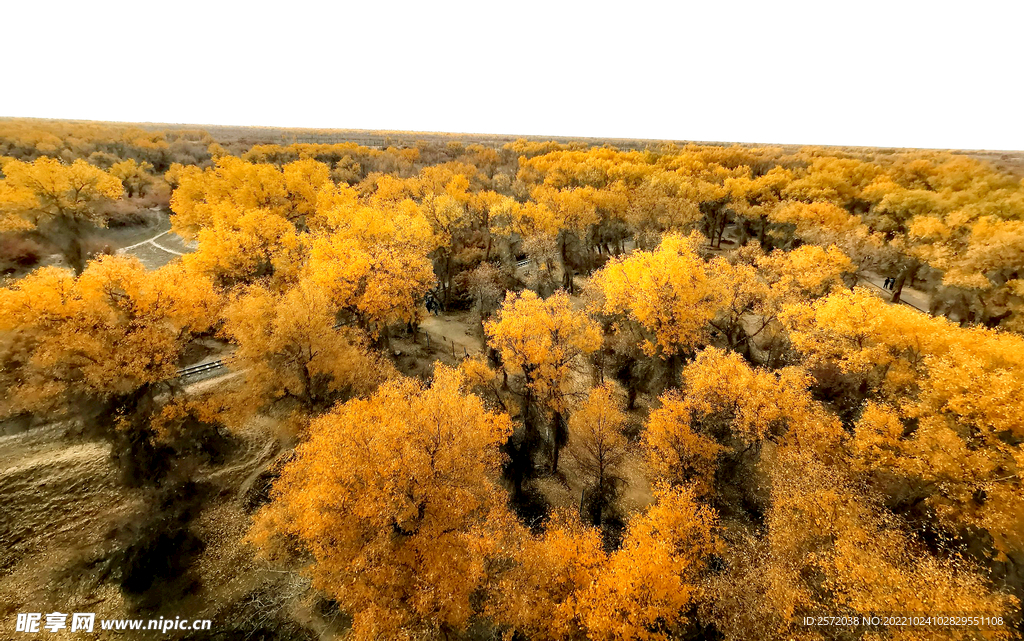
[(392, 496), (544, 339), (110, 331), (667, 293)]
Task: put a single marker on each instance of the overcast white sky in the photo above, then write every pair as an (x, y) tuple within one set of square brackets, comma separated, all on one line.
[(889, 73)]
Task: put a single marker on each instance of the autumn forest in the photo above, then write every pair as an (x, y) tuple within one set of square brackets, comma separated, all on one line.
[(386, 385)]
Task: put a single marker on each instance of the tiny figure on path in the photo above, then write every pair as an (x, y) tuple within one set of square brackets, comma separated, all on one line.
[(432, 305)]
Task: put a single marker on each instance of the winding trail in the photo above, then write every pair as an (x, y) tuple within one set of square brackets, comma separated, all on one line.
[(155, 254), (909, 296), (148, 240), (159, 246)]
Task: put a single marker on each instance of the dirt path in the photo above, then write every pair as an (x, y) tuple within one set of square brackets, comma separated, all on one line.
[(157, 251), (909, 296), (461, 329), (153, 243)]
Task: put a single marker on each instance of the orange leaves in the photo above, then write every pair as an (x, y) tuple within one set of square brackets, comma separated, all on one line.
[(979, 254), (725, 404), (645, 588), (247, 217), (110, 331), (240, 246), (677, 453), (446, 217), (563, 585), (48, 187), (251, 221), (392, 497), (815, 218), (290, 350), (232, 183), (836, 180), (662, 202), (371, 259), (544, 339), (241, 215), (819, 520), (573, 210), (579, 189), (954, 392), (861, 333), (667, 293), (134, 176), (540, 594), (450, 179), (963, 216), (877, 435), (596, 440), (806, 272)]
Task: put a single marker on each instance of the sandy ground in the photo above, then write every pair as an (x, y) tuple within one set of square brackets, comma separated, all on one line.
[(461, 329), (118, 237), (61, 504), (59, 496), (158, 246)]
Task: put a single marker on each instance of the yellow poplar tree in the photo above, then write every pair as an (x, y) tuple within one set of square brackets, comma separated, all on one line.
[(829, 548), (103, 346), (291, 353), (135, 176), (105, 334), (598, 446), (371, 258), (538, 595), (562, 584), (727, 407), (247, 217), (646, 587), (545, 340), (392, 498), (61, 201), (941, 407), (666, 295), (569, 214)]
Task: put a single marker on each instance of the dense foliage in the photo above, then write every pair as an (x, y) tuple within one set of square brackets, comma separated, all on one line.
[(695, 312)]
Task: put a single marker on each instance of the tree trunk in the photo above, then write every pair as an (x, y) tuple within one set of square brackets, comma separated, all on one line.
[(631, 394), (597, 511), (447, 284), (528, 425), (383, 340), (567, 281), (308, 393), (559, 437), (905, 273), (675, 368), (68, 239), (75, 255)]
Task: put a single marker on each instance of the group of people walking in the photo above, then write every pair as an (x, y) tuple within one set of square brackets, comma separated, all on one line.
[(889, 283)]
